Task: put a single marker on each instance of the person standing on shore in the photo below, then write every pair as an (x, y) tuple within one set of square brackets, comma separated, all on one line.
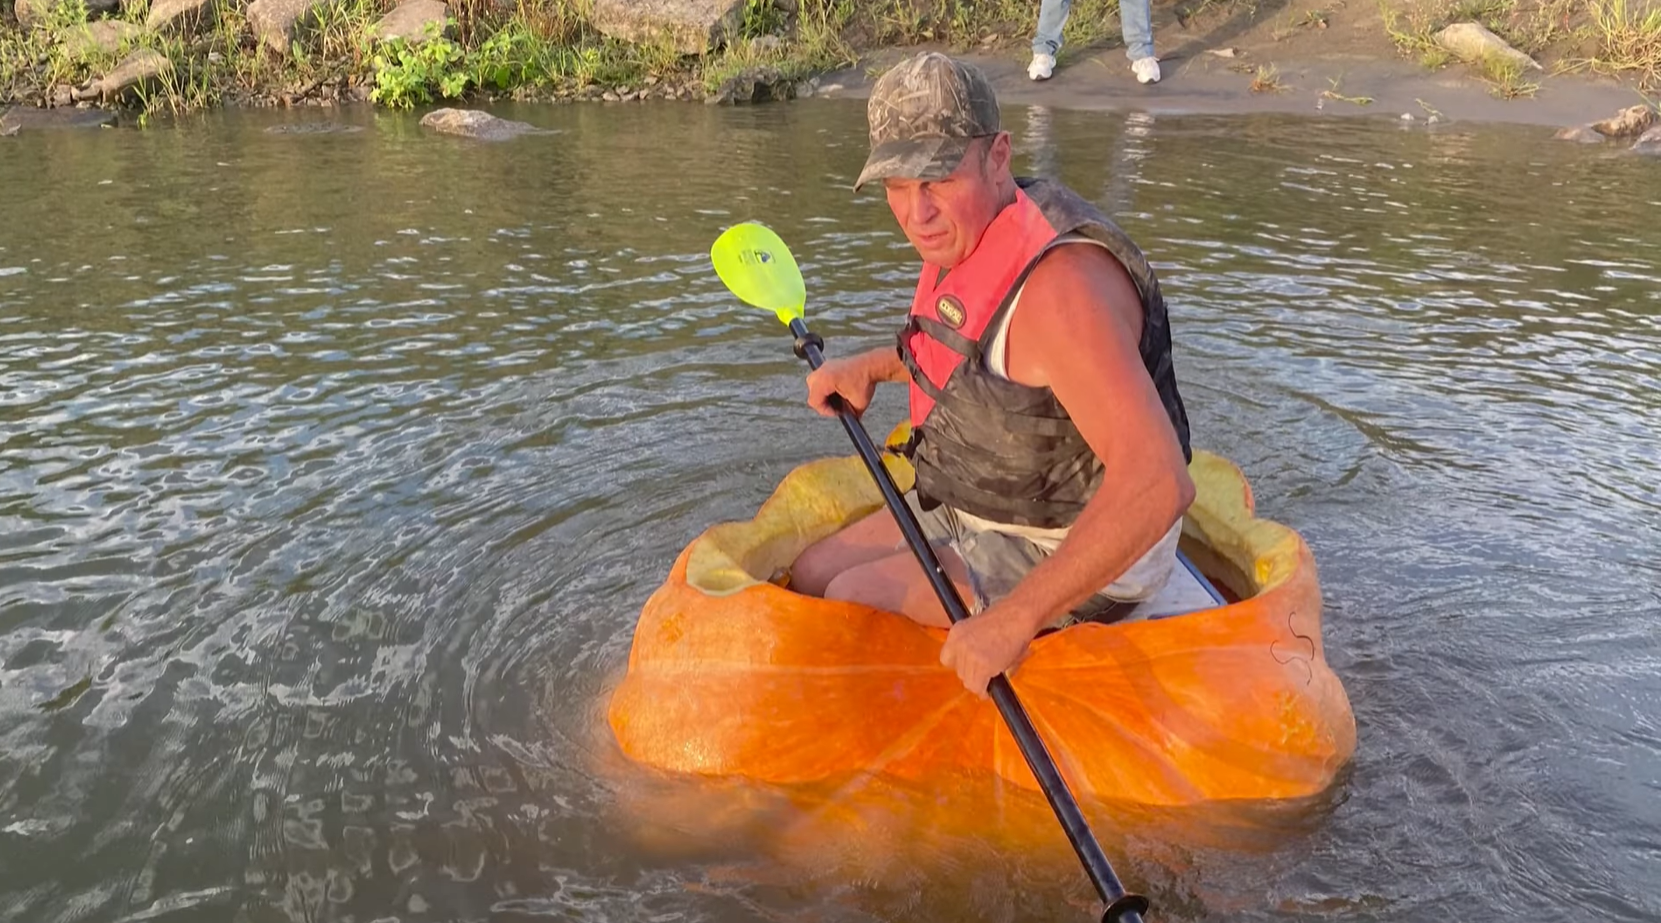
[(1135, 24)]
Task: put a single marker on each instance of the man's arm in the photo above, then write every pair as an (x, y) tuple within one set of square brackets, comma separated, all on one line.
[(1077, 332)]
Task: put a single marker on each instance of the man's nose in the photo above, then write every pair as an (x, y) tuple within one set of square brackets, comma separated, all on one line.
[(923, 209)]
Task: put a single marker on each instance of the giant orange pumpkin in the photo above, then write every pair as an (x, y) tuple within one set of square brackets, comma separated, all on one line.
[(730, 675)]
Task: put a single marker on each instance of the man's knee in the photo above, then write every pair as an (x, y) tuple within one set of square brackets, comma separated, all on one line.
[(894, 585), (849, 586), (861, 542), (815, 569)]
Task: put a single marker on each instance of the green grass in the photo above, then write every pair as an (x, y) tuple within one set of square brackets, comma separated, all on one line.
[(1336, 92), (1505, 76), (550, 48), (1413, 28), (1627, 41), (1613, 37), (538, 47), (34, 61)]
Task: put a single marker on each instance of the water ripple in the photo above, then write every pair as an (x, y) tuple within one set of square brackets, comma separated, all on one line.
[(327, 505)]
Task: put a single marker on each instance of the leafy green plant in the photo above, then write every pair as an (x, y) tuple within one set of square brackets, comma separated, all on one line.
[(511, 58), (406, 73), (761, 17)]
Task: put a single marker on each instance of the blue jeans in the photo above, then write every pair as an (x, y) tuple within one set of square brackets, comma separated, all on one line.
[(1135, 22)]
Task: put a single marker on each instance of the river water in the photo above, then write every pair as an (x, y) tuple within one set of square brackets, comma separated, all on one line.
[(337, 465)]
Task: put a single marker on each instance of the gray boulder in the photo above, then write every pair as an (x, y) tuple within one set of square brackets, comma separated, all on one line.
[(1583, 134), (753, 85), (471, 123), (275, 21), (180, 15), (1471, 41), (28, 118), (140, 67), (102, 37), (314, 128), (691, 26), (32, 13), (1628, 123), (1649, 143), (410, 21)]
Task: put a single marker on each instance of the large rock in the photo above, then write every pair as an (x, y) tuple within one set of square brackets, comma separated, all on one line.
[(471, 123), (1628, 123), (1472, 41), (180, 15), (1584, 134), (314, 128), (28, 118), (138, 68), (32, 13), (410, 20), (275, 21), (102, 37), (1649, 143), (692, 26), (753, 85)]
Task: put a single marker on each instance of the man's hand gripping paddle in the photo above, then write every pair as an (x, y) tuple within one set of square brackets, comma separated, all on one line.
[(757, 267)]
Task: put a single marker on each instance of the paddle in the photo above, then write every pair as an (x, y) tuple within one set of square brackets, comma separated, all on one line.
[(757, 267)]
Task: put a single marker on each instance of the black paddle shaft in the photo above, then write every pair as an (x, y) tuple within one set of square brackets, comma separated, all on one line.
[(1122, 907)]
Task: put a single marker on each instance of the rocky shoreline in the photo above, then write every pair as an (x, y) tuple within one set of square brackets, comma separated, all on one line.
[(79, 62), (151, 56)]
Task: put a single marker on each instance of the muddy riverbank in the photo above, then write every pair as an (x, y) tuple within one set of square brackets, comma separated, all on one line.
[(146, 58)]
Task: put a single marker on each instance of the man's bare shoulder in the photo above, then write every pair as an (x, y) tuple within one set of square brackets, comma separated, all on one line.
[(1076, 280), (1079, 307)]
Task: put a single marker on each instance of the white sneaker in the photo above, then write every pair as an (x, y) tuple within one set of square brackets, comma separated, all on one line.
[(1042, 66), (1146, 69)]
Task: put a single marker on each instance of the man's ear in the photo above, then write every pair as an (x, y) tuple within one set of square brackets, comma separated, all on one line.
[(1001, 152)]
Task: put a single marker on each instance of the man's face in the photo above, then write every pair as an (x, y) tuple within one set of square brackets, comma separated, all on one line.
[(944, 218)]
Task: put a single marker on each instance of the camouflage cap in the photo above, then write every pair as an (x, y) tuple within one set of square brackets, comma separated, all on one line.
[(923, 113)]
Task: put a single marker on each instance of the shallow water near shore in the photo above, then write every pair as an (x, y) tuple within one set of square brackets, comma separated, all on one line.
[(337, 465)]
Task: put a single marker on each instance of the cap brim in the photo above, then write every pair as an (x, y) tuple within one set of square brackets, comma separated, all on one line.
[(920, 158)]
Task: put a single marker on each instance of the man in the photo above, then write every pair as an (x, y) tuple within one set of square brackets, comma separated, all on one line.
[(1049, 440), (1135, 26)]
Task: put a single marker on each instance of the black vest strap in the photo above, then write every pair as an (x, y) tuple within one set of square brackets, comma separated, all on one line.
[(951, 339), (999, 507), (910, 360)]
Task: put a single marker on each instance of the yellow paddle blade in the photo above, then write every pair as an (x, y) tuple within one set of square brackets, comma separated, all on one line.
[(758, 268)]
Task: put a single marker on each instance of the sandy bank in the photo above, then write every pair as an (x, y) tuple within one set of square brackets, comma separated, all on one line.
[(1205, 83)]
